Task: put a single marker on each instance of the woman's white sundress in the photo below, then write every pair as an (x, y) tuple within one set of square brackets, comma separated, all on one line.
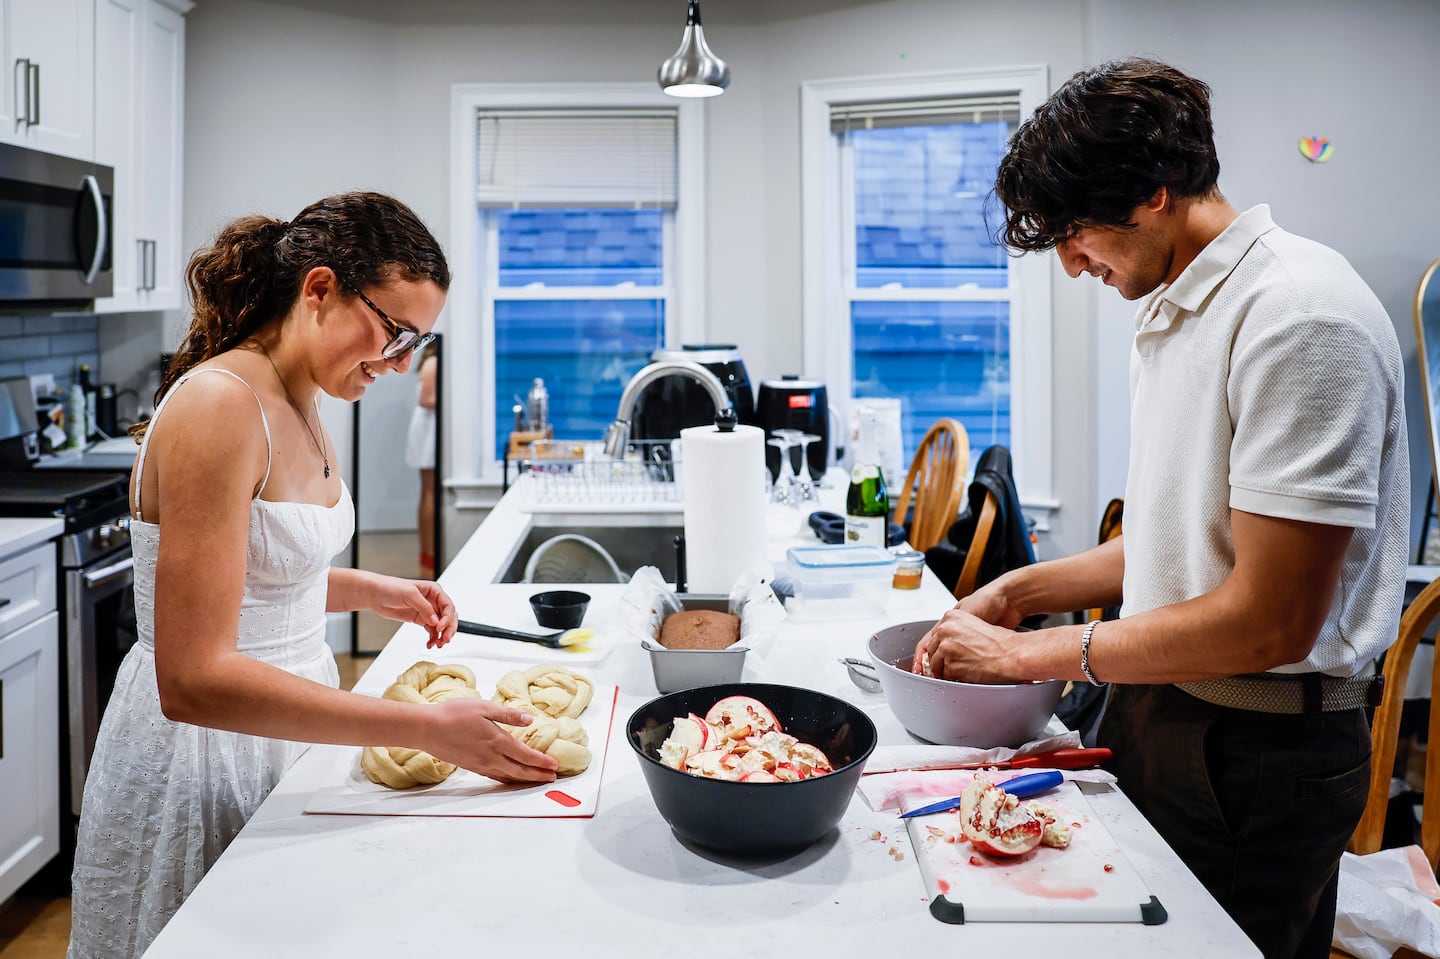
[(164, 799)]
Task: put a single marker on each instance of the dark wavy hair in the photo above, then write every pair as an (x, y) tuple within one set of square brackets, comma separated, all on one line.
[(1101, 146), (251, 274)]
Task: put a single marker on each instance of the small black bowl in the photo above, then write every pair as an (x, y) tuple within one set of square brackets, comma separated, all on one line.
[(756, 819), (559, 608)]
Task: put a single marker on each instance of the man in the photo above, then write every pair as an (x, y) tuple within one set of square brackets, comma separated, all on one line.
[(1261, 568)]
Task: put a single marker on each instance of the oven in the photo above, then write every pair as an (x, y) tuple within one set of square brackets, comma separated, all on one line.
[(96, 581)]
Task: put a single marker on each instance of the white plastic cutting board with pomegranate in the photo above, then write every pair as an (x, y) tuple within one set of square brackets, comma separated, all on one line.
[(1088, 881)]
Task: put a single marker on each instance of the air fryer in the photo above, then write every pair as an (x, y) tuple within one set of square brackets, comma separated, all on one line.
[(796, 404)]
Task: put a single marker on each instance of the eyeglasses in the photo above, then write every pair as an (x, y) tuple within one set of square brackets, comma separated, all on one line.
[(402, 338)]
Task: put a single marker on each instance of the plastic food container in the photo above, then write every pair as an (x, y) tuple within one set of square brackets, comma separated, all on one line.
[(677, 669), (837, 581)]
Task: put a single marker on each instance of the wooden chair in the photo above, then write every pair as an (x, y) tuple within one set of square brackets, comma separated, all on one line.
[(936, 482), (1384, 733), (984, 526), (1111, 526)]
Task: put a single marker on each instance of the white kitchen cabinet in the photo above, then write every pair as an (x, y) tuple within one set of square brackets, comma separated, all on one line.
[(29, 749), (47, 51), (140, 83)]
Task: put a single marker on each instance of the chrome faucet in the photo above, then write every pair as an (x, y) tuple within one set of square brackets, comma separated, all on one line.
[(617, 437)]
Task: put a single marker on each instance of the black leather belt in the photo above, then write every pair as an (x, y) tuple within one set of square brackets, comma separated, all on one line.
[(1289, 693)]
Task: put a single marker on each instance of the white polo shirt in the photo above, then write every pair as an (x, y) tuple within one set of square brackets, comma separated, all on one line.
[(1267, 378)]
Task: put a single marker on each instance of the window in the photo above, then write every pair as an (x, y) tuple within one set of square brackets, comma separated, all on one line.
[(907, 295), (570, 257)]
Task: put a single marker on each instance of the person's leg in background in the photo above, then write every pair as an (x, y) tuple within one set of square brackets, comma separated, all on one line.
[(427, 524)]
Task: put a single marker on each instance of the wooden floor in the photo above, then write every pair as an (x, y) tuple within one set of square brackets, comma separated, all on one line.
[(34, 925)]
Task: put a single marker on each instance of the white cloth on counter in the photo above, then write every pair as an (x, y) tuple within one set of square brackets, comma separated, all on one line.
[(887, 759), (913, 788)]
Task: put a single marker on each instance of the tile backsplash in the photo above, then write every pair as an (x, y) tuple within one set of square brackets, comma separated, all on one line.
[(32, 345)]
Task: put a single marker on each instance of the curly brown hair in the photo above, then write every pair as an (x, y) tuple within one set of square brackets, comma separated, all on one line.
[(251, 274), (1100, 147)]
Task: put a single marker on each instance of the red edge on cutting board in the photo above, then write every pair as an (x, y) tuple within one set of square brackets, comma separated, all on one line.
[(552, 794)]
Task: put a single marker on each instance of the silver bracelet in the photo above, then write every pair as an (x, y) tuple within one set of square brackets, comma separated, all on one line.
[(1085, 652)]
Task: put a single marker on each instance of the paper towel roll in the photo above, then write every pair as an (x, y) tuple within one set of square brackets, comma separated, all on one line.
[(724, 505)]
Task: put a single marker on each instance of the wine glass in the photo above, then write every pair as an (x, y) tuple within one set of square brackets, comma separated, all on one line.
[(782, 516), (805, 495)]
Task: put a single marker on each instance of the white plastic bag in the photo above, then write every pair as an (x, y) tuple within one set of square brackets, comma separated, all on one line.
[(649, 599), (1387, 900)]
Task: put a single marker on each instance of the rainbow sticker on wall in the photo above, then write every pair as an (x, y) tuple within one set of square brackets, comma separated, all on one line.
[(1316, 149)]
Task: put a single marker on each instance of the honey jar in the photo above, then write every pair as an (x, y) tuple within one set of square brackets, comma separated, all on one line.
[(909, 568)]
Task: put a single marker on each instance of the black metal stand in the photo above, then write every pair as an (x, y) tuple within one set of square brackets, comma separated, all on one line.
[(355, 539), (436, 475), (1425, 525)]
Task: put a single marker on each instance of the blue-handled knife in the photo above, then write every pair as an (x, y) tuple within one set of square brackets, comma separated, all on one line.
[(1021, 787)]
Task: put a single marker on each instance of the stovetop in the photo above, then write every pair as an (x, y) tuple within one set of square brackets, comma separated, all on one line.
[(83, 500)]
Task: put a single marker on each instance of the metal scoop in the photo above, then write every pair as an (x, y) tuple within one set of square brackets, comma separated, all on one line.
[(862, 673)]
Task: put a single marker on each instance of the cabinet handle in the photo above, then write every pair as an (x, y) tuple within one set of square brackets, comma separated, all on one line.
[(150, 271), (4, 601), (22, 93), (154, 263), (35, 120)]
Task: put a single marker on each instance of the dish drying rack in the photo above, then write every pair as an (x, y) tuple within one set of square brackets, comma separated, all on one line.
[(561, 473)]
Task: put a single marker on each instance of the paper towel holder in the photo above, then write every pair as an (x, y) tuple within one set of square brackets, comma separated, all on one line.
[(726, 420)]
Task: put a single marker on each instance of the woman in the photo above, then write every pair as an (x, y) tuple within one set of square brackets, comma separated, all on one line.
[(420, 455), (232, 672)]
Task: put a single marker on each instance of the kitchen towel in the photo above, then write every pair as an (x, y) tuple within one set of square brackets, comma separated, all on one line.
[(724, 505)]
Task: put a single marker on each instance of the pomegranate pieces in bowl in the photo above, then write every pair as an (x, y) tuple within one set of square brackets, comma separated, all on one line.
[(727, 805), (740, 739)]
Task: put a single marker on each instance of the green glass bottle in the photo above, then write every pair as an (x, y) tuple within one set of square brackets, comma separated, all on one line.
[(867, 504)]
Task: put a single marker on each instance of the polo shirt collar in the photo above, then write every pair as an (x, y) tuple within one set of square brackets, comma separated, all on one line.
[(1206, 272)]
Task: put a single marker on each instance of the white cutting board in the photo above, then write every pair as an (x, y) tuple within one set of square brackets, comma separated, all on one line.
[(1089, 881), (349, 791)]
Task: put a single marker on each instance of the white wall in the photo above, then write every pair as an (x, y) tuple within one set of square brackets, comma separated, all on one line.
[(284, 106)]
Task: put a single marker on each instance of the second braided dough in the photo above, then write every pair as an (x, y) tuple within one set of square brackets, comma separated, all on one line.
[(553, 696)]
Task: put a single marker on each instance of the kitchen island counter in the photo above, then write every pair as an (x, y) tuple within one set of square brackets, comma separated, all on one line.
[(621, 883)]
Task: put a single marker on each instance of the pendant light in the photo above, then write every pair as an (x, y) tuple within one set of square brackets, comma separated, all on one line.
[(693, 71)]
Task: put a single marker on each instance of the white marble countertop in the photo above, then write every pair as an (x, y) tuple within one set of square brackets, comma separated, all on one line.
[(20, 533), (621, 883)]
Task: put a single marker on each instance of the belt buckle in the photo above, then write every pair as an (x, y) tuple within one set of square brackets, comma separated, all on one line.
[(1375, 691)]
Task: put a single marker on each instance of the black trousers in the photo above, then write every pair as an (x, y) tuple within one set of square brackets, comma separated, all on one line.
[(1259, 806)]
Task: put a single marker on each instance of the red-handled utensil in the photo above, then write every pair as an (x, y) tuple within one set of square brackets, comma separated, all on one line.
[(1071, 758)]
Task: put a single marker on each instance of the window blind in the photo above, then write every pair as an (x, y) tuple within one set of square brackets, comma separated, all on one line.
[(987, 108), (576, 158)]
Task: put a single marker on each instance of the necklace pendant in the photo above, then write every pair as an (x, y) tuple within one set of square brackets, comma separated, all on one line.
[(327, 470)]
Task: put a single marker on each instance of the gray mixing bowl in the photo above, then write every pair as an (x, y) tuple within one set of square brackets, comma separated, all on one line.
[(957, 714)]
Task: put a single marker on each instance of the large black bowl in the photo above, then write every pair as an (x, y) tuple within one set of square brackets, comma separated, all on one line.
[(752, 819)]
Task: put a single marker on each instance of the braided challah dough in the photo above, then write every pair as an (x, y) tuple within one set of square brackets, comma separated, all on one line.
[(400, 767), (554, 690), (553, 696)]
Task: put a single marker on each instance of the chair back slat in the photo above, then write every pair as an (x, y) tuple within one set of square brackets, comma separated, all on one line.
[(935, 483)]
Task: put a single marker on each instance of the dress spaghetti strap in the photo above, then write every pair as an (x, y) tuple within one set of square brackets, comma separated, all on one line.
[(145, 444)]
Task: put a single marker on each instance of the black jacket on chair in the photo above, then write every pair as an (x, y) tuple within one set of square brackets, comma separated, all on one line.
[(1009, 546)]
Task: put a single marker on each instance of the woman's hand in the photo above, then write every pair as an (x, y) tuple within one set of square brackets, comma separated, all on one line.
[(466, 735), (417, 601), (987, 604)]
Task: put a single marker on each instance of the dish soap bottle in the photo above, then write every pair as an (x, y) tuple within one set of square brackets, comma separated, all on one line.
[(867, 504), (76, 426)]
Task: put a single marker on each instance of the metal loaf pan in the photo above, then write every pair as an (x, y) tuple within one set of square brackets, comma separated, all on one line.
[(677, 669)]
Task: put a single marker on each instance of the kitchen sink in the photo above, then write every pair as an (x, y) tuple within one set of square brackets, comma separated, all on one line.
[(630, 546)]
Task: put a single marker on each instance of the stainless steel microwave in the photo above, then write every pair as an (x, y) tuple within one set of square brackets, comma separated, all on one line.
[(54, 229)]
